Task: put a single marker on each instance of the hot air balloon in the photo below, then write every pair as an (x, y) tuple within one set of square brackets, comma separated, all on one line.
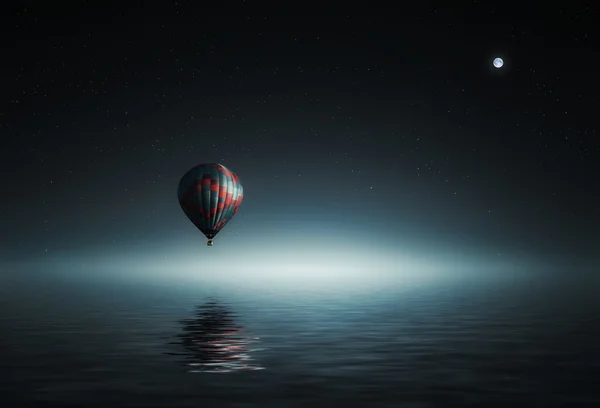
[(210, 195)]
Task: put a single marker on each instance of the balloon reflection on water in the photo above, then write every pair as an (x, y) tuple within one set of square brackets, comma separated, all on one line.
[(213, 342)]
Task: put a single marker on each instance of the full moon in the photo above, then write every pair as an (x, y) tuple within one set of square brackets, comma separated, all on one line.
[(498, 62)]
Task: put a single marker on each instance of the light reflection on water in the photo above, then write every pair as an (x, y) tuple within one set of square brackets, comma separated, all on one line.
[(451, 344), (213, 342)]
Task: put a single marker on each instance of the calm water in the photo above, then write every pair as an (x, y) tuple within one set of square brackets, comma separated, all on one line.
[(486, 343)]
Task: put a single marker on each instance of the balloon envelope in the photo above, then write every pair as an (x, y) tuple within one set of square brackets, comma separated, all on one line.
[(210, 195)]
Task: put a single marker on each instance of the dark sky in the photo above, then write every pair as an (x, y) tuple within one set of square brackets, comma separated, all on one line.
[(353, 131)]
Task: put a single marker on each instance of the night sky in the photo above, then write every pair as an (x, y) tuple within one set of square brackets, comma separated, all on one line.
[(359, 139)]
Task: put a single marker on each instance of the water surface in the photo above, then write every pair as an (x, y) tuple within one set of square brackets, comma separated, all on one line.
[(489, 342)]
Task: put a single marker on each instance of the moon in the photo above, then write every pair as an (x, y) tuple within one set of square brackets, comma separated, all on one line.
[(498, 62)]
